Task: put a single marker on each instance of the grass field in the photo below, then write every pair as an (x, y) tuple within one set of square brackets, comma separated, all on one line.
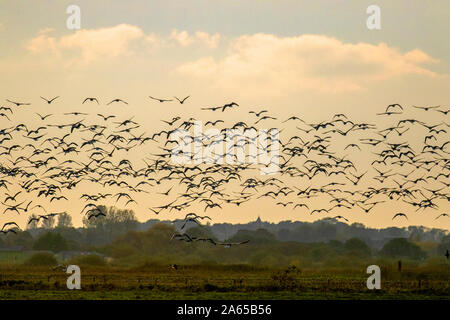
[(221, 282), (13, 257)]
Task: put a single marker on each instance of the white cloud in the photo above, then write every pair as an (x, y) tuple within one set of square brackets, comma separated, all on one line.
[(94, 44), (210, 40), (181, 37), (267, 63), (42, 43), (184, 39), (102, 43), (91, 44)]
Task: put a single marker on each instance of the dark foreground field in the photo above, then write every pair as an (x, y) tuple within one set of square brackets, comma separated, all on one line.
[(221, 282)]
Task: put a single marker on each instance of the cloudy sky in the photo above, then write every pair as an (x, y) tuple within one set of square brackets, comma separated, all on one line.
[(309, 58)]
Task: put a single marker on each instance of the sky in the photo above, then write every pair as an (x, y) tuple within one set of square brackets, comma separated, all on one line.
[(306, 58)]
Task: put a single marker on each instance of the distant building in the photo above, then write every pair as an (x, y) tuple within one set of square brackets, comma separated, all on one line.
[(258, 223)]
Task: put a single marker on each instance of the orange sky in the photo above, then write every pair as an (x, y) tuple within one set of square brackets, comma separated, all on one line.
[(308, 68)]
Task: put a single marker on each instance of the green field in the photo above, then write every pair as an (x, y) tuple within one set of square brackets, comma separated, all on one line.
[(221, 282), (13, 257)]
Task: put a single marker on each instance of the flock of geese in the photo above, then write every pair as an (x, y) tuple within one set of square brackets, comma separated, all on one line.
[(41, 164)]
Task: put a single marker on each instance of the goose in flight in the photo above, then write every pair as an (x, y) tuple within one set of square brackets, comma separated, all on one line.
[(43, 117), (352, 145), (426, 108), (293, 118), (340, 217), (18, 103), (212, 108), (265, 118), (213, 123), (14, 208), (12, 197), (117, 100), (229, 244), (284, 204), (192, 217), (49, 101), (212, 205), (170, 123), (229, 105), (442, 215), (399, 214), (6, 109), (393, 106), (160, 100), (388, 113), (154, 211), (94, 213), (105, 117), (186, 221), (182, 100), (61, 267), (206, 240), (319, 211), (166, 193), (9, 224), (181, 237), (7, 231), (195, 216), (258, 113), (45, 217), (91, 100), (444, 112), (301, 205)]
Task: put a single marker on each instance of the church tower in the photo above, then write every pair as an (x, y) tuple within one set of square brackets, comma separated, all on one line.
[(258, 223)]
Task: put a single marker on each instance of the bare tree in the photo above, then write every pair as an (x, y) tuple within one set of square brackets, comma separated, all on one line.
[(48, 223), (64, 220)]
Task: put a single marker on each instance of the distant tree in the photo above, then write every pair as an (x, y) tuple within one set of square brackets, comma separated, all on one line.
[(357, 246), (326, 231), (104, 229), (336, 245), (64, 220), (402, 248), (443, 246), (42, 259), (395, 232), (319, 252), (113, 216), (201, 232), (48, 223), (259, 236), (23, 239), (305, 233), (152, 242), (73, 236), (52, 241), (356, 230), (284, 234)]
